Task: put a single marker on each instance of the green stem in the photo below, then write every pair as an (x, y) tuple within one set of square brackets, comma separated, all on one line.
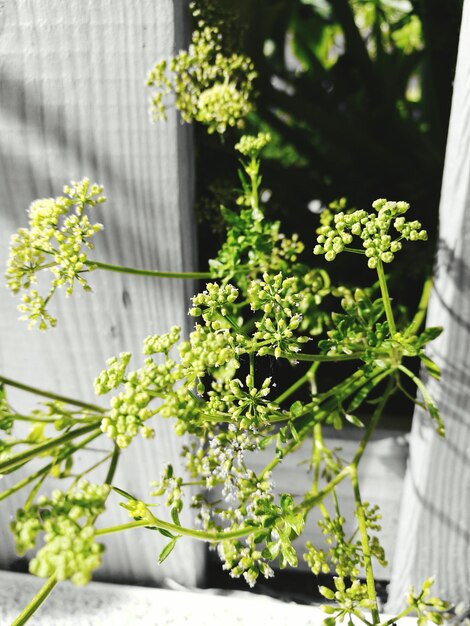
[(386, 298), (36, 602), (301, 381), (420, 314), (17, 460), (361, 518), (340, 393), (66, 452), (316, 455), (404, 613), (156, 523), (113, 465), (108, 267), (78, 477), (26, 481), (252, 368), (377, 414), (35, 419), (48, 394), (312, 499), (318, 358)]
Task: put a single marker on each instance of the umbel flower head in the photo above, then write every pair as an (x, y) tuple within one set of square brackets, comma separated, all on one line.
[(209, 85), (59, 233), (373, 228)]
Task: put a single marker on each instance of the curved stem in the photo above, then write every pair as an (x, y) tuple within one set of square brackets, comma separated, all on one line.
[(318, 496), (49, 394), (373, 423), (36, 602), (155, 524), (301, 381), (362, 522), (317, 358), (420, 314), (108, 267)]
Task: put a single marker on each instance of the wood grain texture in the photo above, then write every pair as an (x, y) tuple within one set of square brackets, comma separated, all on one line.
[(434, 532), (73, 104)]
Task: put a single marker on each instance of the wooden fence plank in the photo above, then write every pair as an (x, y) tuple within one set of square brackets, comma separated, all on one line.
[(73, 104), (434, 531)]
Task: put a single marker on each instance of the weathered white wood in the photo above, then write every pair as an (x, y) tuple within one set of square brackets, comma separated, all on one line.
[(106, 604), (73, 103), (434, 532)]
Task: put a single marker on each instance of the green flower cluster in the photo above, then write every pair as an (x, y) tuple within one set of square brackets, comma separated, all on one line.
[(344, 554), (281, 525), (129, 409), (349, 600), (372, 229), (429, 609), (58, 234), (162, 344), (171, 486), (244, 560), (215, 303), (217, 353), (114, 375), (252, 146), (359, 330), (277, 298), (209, 86), (248, 408), (70, 550)]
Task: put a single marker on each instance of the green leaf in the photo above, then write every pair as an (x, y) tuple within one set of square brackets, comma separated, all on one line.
[(287, 502), (296, 408), (433, 369), (165, 533), (429, 334), (167, 550), (295, 434), (123, 493)]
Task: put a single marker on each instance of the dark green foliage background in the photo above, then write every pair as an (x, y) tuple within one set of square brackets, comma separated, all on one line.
[(336, 93), (336, 98)]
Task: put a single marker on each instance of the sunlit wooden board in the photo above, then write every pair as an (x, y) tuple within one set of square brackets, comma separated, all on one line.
[(73, 103)]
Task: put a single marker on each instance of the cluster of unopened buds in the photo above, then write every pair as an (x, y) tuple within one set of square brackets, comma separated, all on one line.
[(209, 85), (373, 229)]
